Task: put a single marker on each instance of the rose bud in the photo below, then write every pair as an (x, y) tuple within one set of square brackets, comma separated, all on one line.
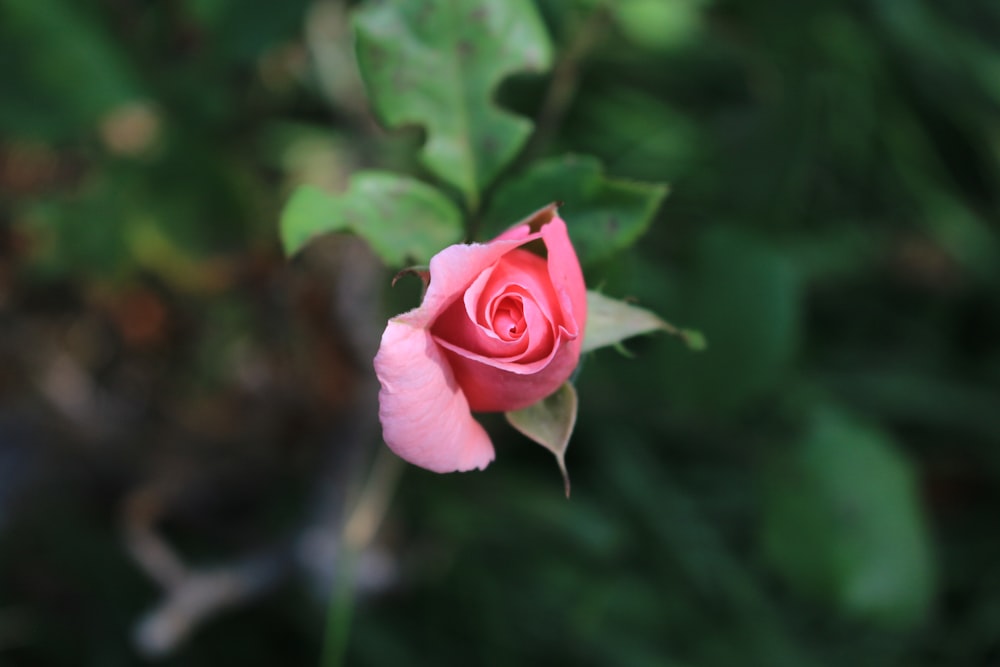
[(499, 329)]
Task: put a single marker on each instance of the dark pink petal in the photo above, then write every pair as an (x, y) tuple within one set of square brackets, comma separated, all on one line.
[(491, 386), (455, 326), (516, 284), (493, 383)]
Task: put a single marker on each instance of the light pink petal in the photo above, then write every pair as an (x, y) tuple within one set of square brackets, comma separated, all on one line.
[(425, 415), (494, 383), (517, 233), (528, 271), (505, 315), (566, 276), (455, 326), (563, 267), (475, 309), (445, 357), (541, 332), (532, 356), (519, 277), (452, 270)]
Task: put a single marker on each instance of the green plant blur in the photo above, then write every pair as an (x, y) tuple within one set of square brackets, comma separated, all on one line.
[(821, 486)]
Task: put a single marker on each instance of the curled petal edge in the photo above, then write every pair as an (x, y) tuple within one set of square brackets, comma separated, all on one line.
[(425, 416)]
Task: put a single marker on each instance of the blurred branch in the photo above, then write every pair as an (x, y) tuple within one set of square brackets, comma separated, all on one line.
[(191, 595), (372, 506), (359, 531), (69, 389), (330, 538), (566, 80), (201, 594), (330, 41)]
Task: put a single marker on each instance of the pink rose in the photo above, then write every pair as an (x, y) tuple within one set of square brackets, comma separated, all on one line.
[(499, 329)]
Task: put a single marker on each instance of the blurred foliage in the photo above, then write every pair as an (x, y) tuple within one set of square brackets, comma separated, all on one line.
[(373, 203), (436, 65), (607, 215), (820, 487)]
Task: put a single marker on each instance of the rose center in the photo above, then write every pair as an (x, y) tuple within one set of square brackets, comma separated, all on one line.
[(508, 318)]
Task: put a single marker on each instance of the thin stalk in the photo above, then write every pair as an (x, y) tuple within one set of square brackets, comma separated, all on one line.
[(359, 531)]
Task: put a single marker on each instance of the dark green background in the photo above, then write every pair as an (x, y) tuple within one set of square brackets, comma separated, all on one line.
[(818, 488)]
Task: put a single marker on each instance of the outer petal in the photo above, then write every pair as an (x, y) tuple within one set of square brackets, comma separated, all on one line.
[(425, 416), (566, 275), (564, 267), (492, 389), (452, 270), (494, 385)]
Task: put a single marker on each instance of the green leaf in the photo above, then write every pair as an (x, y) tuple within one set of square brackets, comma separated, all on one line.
[(604, 215), (841, 521), (550, 423), (610, 321), (437, 64), (402, 219), (79, 75), (659, 24)]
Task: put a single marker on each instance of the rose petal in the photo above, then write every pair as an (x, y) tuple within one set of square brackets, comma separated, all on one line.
[(425, 416), (429, 384), (528, 271), (454, 324), (494, 384), (516, 233), (563, 266), (452, 270), (566, 276), (468, 325), (499, 386), (540, 332)]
